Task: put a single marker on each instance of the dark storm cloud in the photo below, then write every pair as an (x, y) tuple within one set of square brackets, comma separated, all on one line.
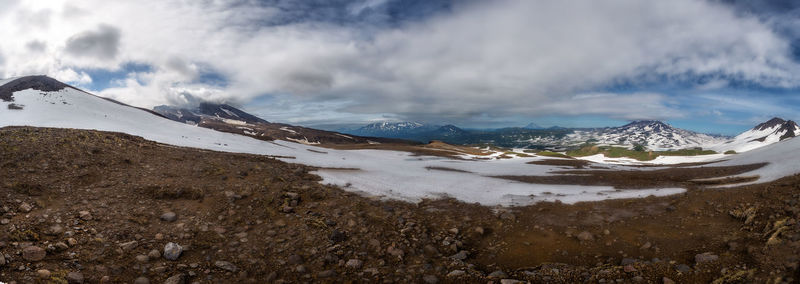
[(102, 43)]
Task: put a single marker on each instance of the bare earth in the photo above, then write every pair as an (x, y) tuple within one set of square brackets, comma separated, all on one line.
[(93, 201)]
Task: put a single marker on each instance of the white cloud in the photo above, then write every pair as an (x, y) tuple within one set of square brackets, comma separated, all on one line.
[(502, 57)]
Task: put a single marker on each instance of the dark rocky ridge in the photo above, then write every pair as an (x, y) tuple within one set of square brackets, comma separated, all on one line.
[(39, 83)]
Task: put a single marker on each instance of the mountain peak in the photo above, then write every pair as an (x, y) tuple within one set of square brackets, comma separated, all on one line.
[(36, 82), (775, 121), (653, 124)]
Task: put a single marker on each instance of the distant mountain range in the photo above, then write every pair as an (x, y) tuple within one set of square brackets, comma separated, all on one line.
[(654, 135)]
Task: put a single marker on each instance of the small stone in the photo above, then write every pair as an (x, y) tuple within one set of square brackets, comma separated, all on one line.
[(295, 259), (479, 230), (354, 264), (74, 277), (430, 279), (301, 269), (107, 279), (666, 280), (54, 230), (498, 274), (154, 254), (510, 281), (338, 236), (25, 207), (129, 246), (176, 279), (606, 232), (585, 236), (33, 253), (638, 279), (43, 273), (629, 268), (461, 255), (646, 245), (224, 265), (85, 215), (4, 221), (172, 251), (705, 257), (72, 242), (326, 274), (169, 217), (2, 260), (142, 258), (456, 273), (683, 268), (61, 246), (141, 280)]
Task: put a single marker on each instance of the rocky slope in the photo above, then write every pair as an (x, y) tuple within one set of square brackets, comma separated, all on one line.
[(82, 206), (654, 135), (766, 133)]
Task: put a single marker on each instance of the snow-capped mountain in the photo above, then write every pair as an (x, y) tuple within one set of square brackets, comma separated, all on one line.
[(533, 126), (769, 132), (655, 135), (207, 110), (393, 129)]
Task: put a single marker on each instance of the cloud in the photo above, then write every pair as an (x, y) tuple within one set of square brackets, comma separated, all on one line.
[(471, 59), (102, 43)]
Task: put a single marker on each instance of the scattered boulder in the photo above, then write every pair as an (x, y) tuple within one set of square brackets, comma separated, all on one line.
[(85, 215), (176, 279), (498, 274), (224, 265), (354, 264), (129, 246), (43, 273), (172, 251), (33, 253), (154, 254), (74, 277), (456, 273), (169, 217), (25, 207), (461, 255), (705, 257), (585, 236)]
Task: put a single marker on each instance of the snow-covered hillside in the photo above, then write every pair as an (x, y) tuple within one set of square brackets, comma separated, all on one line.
[(392, 174), (392, 129), (764, 134), (654, 135)]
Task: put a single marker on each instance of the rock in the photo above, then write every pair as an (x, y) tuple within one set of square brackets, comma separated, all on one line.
[(61, 246), (354, 264), (461, 255), (142, 258), (4, 221), (456, 273), (54, 230), (176, 279), (154, 254), (629, 268), (85, 215), (74, 277), (666, 280), (25, 207), (705, 257), (683, 268), (33, 253), (338, 236), (396, 252), (43, 273), (301, 269), (326, 274), (585, 236), (645, 246), (2, 260), (169, 217), (141, 280), (107, 279), (510, 281), (72, 242), (172, 251), (129, 246), (224, 265), (294, 259), (628, 261), (638, 279), (430, 279), (507, 216), (479, 230), (430, 250), (498, 274)]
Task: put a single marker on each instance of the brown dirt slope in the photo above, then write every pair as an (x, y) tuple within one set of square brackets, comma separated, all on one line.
[(93, 201)]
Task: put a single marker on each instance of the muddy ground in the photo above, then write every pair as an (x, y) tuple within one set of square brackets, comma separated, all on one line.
[(89, 206)]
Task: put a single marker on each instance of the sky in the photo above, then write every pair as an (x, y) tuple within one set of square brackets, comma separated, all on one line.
[(717, 66)]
